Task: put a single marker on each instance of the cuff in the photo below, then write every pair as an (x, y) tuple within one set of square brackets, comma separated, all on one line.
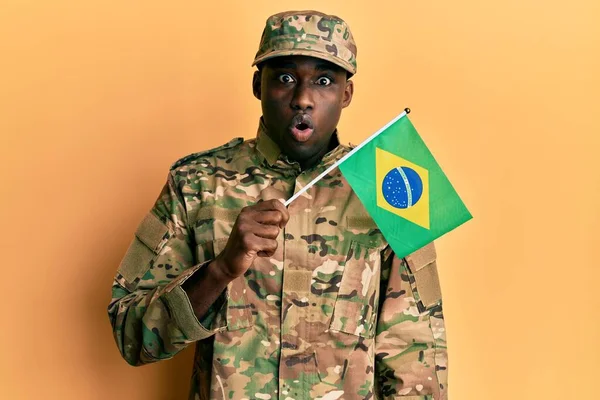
[(182, 312)]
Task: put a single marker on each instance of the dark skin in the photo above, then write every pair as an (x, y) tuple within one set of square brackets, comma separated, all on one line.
[(287, 88)]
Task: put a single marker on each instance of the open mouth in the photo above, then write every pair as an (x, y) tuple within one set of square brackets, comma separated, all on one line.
[(302, 127)]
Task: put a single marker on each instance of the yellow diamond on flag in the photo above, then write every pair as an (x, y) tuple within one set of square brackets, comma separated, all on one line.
[(402, 187)]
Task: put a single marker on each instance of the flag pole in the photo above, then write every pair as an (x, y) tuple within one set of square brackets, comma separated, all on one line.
[(341, 160)]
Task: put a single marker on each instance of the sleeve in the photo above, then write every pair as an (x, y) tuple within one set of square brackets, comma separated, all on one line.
[(151, 315), (411, 361)]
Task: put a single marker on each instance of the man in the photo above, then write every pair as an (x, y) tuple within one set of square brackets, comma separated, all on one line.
[(304, 302)]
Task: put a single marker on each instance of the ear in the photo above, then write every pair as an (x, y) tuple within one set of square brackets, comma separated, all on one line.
[(348, 92), (256, 82)]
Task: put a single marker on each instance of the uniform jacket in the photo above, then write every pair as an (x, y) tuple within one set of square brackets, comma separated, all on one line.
[(334, 314)]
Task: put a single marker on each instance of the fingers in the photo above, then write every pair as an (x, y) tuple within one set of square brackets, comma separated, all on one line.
[(260, 238), (264, 246), (254, 233), (267, 247), (265, 231), (278, 205), (269, 217), (273, 206)]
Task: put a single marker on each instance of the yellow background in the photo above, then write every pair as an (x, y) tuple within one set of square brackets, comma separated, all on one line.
[(98, 98)]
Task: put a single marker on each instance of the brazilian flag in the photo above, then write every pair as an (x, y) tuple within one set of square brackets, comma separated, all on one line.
[(403, 188)]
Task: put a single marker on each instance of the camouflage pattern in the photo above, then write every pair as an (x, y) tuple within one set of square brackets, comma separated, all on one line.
[(308, 33), (332, 315)]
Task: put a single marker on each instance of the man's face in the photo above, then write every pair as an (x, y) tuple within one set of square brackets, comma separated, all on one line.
[(302, 100)]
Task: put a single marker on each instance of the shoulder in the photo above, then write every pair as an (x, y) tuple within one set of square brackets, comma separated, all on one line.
[(223, 150)]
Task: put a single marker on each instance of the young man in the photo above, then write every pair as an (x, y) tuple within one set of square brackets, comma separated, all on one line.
[(304, 302)]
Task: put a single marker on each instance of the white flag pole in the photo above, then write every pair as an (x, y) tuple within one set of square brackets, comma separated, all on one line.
[(341, 160)]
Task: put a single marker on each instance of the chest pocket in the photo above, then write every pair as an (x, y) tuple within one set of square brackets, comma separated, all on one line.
[(357, 302), (213, 227)]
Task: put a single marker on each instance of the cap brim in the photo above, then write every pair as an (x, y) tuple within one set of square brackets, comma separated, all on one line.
[(306, 52)]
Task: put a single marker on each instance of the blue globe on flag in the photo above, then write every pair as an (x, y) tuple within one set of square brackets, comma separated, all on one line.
[(402, 187)]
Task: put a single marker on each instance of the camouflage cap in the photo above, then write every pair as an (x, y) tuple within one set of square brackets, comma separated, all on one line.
[(308, 33)]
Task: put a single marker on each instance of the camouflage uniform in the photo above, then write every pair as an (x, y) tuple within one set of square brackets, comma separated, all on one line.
[(333, 314)]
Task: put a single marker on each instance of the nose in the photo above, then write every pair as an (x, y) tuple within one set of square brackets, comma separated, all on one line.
[(303, 97)]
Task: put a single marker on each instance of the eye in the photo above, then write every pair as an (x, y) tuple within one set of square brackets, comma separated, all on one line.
[(324, 81), (286, 78)]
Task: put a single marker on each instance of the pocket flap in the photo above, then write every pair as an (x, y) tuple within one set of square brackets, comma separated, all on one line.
[(428, 285), (218, 213), (422, 263), (360, 222), (150, 235), (152, 232), (422, 257)]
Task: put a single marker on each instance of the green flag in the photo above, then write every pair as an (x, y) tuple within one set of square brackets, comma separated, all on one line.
[(403, 188)]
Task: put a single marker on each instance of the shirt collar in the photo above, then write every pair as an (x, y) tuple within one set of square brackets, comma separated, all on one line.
[(271, 153)]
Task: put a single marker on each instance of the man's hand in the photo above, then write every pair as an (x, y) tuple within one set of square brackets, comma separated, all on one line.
[(253, 235)]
